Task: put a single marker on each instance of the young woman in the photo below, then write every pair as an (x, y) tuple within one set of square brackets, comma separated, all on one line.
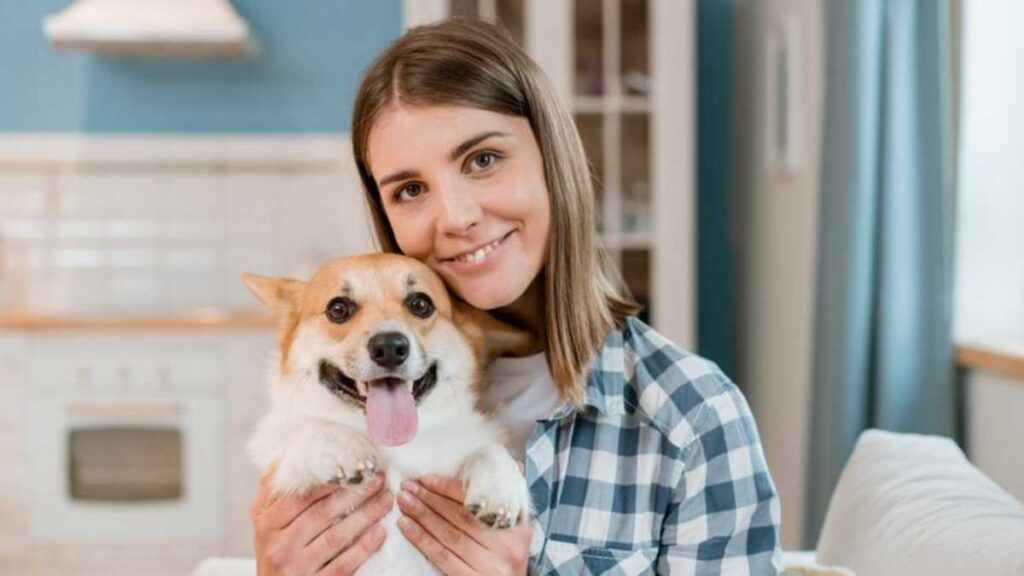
[(641, 457)]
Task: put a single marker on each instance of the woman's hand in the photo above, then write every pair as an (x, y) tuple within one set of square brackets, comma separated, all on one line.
[(437, 523), (331, 530)]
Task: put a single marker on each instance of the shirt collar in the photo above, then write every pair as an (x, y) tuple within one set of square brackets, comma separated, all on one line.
[(606, 380)]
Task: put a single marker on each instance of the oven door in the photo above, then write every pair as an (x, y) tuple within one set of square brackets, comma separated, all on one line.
[(116, 468)]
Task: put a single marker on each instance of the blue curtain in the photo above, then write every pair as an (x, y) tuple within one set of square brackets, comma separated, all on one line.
[(716, 314), (883, 349)]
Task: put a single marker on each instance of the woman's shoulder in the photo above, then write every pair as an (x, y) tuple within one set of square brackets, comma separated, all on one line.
[(641, 373)]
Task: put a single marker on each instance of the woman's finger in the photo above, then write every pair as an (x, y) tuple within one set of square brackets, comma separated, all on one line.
[(341, 534), (263, 498), (278, 513), (344, 501), (445, 520), (445, 485), (447, 502), (353, 557), (442, 557), (511, 543)]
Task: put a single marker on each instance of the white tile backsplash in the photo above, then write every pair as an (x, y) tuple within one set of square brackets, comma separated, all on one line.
[(22, 195), (25, 229), (123, 230), (131, 240), (103, 194)]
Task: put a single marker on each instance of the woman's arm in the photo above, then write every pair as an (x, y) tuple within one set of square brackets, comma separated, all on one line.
[(724, 518)]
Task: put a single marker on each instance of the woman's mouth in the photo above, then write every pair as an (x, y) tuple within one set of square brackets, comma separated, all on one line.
[(479, 255)]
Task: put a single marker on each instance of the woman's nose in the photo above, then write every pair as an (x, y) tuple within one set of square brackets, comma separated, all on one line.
[(460, 211)]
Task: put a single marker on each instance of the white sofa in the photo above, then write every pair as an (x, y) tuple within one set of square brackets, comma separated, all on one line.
[(912, 505), (905, 505)]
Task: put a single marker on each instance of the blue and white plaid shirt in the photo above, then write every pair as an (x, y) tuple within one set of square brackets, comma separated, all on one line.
[(662, 472)]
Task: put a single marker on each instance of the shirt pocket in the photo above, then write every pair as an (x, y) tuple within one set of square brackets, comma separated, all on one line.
[(565, 558)]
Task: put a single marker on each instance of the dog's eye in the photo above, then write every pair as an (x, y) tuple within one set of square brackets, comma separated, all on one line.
[(340, 310), (420, 304)]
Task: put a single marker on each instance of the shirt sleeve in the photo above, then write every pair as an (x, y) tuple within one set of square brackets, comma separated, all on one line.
[(724, 515)]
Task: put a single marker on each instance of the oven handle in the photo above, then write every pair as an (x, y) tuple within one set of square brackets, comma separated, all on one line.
[(124, 411)]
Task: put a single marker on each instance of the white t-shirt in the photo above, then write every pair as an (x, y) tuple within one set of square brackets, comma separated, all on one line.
[(519, 392)]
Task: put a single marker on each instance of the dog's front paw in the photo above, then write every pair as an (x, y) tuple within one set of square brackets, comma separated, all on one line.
[(326, 455), (496, 493)]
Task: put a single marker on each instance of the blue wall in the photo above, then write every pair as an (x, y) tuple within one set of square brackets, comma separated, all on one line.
[(303, 78)]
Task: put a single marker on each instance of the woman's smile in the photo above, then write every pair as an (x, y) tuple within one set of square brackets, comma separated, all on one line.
[(474, 260)]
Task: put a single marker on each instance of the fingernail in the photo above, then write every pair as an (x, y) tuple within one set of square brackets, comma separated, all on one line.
[(405, 523), (406, 498), (429, 480), (410, 486)]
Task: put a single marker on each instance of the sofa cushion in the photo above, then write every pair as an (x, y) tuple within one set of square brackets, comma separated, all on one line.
[(911, 505)]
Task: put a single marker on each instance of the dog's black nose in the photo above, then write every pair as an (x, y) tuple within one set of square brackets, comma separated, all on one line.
[(389, 349)]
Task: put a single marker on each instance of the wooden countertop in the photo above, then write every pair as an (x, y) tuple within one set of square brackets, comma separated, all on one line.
[(1003, 358), (212, 319)]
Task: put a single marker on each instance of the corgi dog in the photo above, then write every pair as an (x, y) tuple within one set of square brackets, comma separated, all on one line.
[(379, 369)]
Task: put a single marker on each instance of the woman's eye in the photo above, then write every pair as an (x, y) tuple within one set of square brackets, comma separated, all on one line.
[(408, 192), (484, 160)]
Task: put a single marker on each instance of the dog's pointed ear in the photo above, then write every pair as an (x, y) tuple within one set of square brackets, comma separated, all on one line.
[(491, 337), (278, 294)]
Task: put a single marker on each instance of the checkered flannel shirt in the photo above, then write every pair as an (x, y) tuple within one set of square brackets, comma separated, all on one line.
[(661, 472)]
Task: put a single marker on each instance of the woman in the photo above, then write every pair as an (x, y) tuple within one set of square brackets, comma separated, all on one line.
[(639, 455)]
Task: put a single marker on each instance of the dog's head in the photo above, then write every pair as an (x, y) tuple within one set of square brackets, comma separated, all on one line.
[(378, 335)]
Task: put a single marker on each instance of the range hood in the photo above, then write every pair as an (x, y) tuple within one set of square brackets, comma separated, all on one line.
[(171, 28)]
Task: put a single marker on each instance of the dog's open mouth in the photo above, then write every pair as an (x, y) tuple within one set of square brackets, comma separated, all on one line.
[(348, 389)]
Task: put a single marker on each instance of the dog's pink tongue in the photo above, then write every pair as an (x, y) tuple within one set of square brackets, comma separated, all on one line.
[(390, 412)]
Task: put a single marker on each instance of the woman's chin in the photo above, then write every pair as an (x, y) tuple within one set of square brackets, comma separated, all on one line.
[(487, 297)]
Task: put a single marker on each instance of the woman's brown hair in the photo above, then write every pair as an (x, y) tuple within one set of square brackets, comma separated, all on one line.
[(471, 63)]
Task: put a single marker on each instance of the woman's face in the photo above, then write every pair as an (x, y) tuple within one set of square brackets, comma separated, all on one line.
[(464, 191)]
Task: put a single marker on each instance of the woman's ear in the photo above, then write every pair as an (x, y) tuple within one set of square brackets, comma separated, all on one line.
[(491, 337), (278, 294)]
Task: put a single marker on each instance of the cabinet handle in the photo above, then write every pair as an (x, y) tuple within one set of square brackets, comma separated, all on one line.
[(783, 94)]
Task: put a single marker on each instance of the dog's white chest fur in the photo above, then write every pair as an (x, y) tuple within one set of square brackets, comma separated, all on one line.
[(312, 438)]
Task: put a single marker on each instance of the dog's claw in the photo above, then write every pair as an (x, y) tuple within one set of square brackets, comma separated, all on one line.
[(339, 477), (497, 519), (504, 519), (364, 470)]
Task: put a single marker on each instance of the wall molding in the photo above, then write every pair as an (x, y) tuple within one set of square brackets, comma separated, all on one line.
[(76, 152)]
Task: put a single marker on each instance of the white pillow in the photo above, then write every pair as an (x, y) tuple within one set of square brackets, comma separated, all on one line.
[(909, 505)]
